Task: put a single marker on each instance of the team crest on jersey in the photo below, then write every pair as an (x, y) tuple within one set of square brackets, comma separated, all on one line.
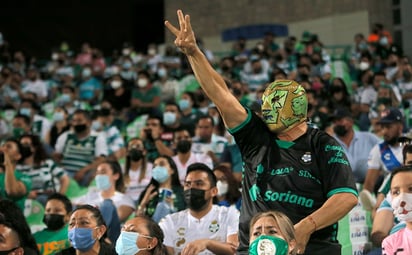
[(387, 156), (306, 158), (214, 226), (181, 231)]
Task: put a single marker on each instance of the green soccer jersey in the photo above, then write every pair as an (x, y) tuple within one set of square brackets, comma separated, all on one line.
[(51, 242)]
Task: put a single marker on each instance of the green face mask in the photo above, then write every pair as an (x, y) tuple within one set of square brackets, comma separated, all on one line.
[(269, 245), (17, 132)]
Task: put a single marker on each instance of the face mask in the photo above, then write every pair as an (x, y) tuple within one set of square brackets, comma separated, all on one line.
[(237, 92), (142, 83), (383, 41), (96, 125), (17, 132), (160, 174), (340, 130), (135, 154), (363, 66), (162, 72), (103, 182), (195, 199), (169, 118), (265, 245), (105, 111), (222, 188), (65, 98), (25, 111), (127, 65), (54, 221), (58, 116), (125, 52), (81, 238), (80, 128), (126, 244), (151, 52), (363, 46), (284, 105), (27, 150), (183, 146), (8, 115), (384, 101), (86, 73), (116, 84), (402, 207), (184, 104)]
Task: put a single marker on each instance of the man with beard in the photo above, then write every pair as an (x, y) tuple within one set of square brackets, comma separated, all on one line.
[(184, 156), (204, 228), (356, 144), (385, 156)]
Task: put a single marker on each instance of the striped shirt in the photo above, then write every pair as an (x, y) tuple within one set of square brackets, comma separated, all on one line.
[(78, 153), (114, 139), (44, 178)]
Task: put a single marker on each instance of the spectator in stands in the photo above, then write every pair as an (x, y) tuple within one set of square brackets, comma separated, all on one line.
[(164, 194), (205, 227), (60, 125), (168, 85), (184, 156), (40, 125), (145, 96), (12, 218), (172, 121), (53, 238), (141, 234), (13, 184), (46, 176), (152, 138), (137, 169), (190, 114), (271, 232), (80, 150), (90, 88), (118, 96), (206, 141), (87, 232), (35, 85), (21, 124), (110, 185), (228, 188)]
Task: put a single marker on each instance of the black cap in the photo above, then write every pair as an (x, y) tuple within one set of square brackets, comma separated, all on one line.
[(390, 115), (340, 113)]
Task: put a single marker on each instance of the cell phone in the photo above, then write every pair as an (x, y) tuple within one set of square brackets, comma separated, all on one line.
[(1, 157)]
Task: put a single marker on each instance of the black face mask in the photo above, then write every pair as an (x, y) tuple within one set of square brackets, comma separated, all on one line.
[(80, 128), (183, 146), (237, 92), (340, 130), (105, 112), (135, 154), (195, 199), (392, 141), (54, 221), (27, 151)]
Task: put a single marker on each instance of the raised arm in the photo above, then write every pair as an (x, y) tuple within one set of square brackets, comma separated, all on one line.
[(211, 82)]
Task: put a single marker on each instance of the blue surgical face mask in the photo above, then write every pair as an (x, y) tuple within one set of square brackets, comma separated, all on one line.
[(160, 174), (58, 116), (169, 118), (65, 98), (86, 73), (25, 111), (96, 125), (162, 72), (184, 104), (103, 182), (126, 244), (269, 245), (81, 238)]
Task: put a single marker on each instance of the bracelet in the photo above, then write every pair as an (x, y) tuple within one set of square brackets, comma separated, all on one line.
[(313, 222)]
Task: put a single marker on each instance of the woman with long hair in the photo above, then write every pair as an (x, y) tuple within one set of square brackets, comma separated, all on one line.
[(227, 187), (137, 169), (164, 194)]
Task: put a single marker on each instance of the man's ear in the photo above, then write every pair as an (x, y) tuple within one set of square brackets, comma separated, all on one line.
[(214, 191)]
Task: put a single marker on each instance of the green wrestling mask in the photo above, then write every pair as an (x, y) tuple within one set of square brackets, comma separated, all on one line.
[(284, 105)]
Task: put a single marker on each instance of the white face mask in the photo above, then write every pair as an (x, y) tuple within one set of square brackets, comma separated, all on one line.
[(402, 207), (363, 66), (222, 188), (116, 84), (142, 83)]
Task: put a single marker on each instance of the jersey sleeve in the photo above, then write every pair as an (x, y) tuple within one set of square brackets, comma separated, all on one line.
[(233, 221), (166, 224), (374, 158)]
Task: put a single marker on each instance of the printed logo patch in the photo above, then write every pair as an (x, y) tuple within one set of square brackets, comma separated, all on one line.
[(306, 158), (214, 226)]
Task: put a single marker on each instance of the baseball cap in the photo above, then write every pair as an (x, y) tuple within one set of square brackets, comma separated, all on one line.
[(390, 115), (340, 113)]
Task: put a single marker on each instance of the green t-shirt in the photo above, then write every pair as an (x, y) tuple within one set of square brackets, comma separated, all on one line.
[(51, 242), (18, 200)]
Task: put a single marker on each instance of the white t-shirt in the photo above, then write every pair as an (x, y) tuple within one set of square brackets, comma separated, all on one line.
[(181, 228), (135, 188), (194, 158), (94, 197)]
